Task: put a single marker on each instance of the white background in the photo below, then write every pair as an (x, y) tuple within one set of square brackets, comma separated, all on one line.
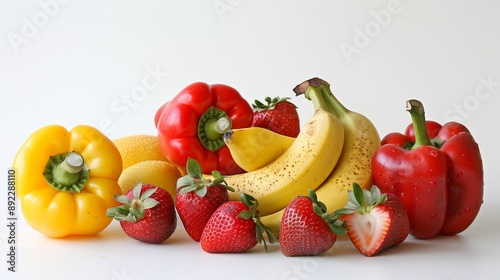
[(85, 62)]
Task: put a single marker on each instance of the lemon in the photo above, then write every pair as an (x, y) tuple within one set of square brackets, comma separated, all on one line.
[(159, 173), (137, 148)]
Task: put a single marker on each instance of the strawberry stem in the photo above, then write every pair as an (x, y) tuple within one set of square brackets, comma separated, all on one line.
[(258, 106), (253, 214), (362, 201), (194, 180), (133, 210), (332, 219)]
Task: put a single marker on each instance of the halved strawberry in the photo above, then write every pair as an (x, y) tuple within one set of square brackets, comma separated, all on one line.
[(278, 115), (374, 221), (197, 198)]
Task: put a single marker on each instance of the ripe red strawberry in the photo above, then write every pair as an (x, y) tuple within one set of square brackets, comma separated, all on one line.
[(197, 198), (235, 227), (278, 115), (374, 221), (147, 213), (306, 228)]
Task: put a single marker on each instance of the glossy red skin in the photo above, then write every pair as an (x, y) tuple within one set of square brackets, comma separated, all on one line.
[(395, 138), (195, 211), (159, 222), (451, 129), (419, 179), (432, 129), (465, 174), (302, 231), (159, 112), (225, 232), (177, 125), (464, 180), (283, 119)]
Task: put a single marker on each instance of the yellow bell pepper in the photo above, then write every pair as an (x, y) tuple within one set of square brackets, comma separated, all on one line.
[(66, 180)]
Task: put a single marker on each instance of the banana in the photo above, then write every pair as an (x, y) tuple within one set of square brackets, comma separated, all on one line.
[(305, 164), (361, 141), (255, 147)]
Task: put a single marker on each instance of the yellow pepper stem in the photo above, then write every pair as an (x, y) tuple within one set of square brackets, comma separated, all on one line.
[(73, 163), (66, 172)]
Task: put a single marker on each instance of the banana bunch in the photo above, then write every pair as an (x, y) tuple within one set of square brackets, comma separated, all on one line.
[(305, 164), (360, 141), (354, 165)]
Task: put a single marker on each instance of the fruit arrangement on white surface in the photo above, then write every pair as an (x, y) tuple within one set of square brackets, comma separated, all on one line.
[(240, 174)]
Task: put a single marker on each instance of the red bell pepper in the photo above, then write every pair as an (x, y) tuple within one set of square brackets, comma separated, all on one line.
[(192, 125), (436, 171)]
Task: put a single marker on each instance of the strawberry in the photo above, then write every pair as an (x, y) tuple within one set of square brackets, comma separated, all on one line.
[(197, 198), (374, 221), (278, 115), (147, 214), (235, 227), (306, 228)]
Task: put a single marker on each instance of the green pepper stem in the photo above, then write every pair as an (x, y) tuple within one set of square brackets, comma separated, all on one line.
[(417, 113), (215, 128), (211, 128), (315, 89), (66, 172)]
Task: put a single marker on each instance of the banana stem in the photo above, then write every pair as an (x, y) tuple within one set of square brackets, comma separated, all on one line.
[(315, 89), (318, 99)]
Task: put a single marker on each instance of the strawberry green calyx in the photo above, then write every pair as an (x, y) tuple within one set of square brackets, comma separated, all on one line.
[(332, 219), (258, 106), (362, 201), (253, 213), (132, 210), (194, 180)]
